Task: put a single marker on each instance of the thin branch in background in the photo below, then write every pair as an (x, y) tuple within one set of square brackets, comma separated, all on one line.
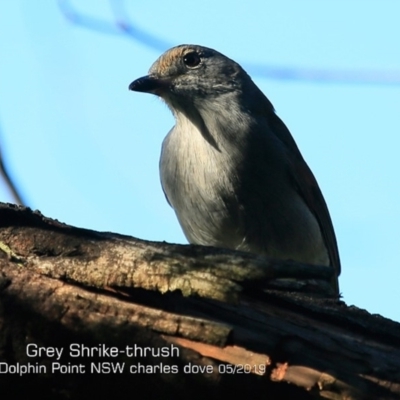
[(15, 192), (121, 24), (87, 21), (347, 76), (130, 29)]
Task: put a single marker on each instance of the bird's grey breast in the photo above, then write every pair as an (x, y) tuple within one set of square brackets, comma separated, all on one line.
[(198, 179)]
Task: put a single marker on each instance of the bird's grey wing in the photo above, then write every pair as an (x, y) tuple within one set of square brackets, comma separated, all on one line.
[(308, 188)]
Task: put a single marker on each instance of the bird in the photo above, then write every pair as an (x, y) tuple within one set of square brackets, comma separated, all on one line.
[(230, 168)]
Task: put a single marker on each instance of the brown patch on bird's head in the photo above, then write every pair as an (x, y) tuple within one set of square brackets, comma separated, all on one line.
[(169, 62), (169, 58)]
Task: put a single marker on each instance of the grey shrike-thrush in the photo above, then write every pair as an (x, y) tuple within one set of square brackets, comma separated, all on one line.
[(230, 168)]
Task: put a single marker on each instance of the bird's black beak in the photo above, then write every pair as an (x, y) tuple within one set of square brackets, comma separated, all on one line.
[(149, 84)]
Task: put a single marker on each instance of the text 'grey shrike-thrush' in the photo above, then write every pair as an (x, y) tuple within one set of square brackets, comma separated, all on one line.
[(230, 168)]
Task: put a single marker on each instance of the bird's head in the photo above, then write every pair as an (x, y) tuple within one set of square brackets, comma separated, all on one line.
[(191, 74)]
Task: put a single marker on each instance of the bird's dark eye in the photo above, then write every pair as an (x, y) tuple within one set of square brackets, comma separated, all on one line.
[(192, 60)]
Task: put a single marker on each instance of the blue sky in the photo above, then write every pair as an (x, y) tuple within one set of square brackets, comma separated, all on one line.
[(85, 150)]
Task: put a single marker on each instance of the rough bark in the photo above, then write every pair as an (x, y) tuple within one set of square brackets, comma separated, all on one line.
[(213, 316)]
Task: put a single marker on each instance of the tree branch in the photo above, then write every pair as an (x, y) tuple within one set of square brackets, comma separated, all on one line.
[(215, 314)]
